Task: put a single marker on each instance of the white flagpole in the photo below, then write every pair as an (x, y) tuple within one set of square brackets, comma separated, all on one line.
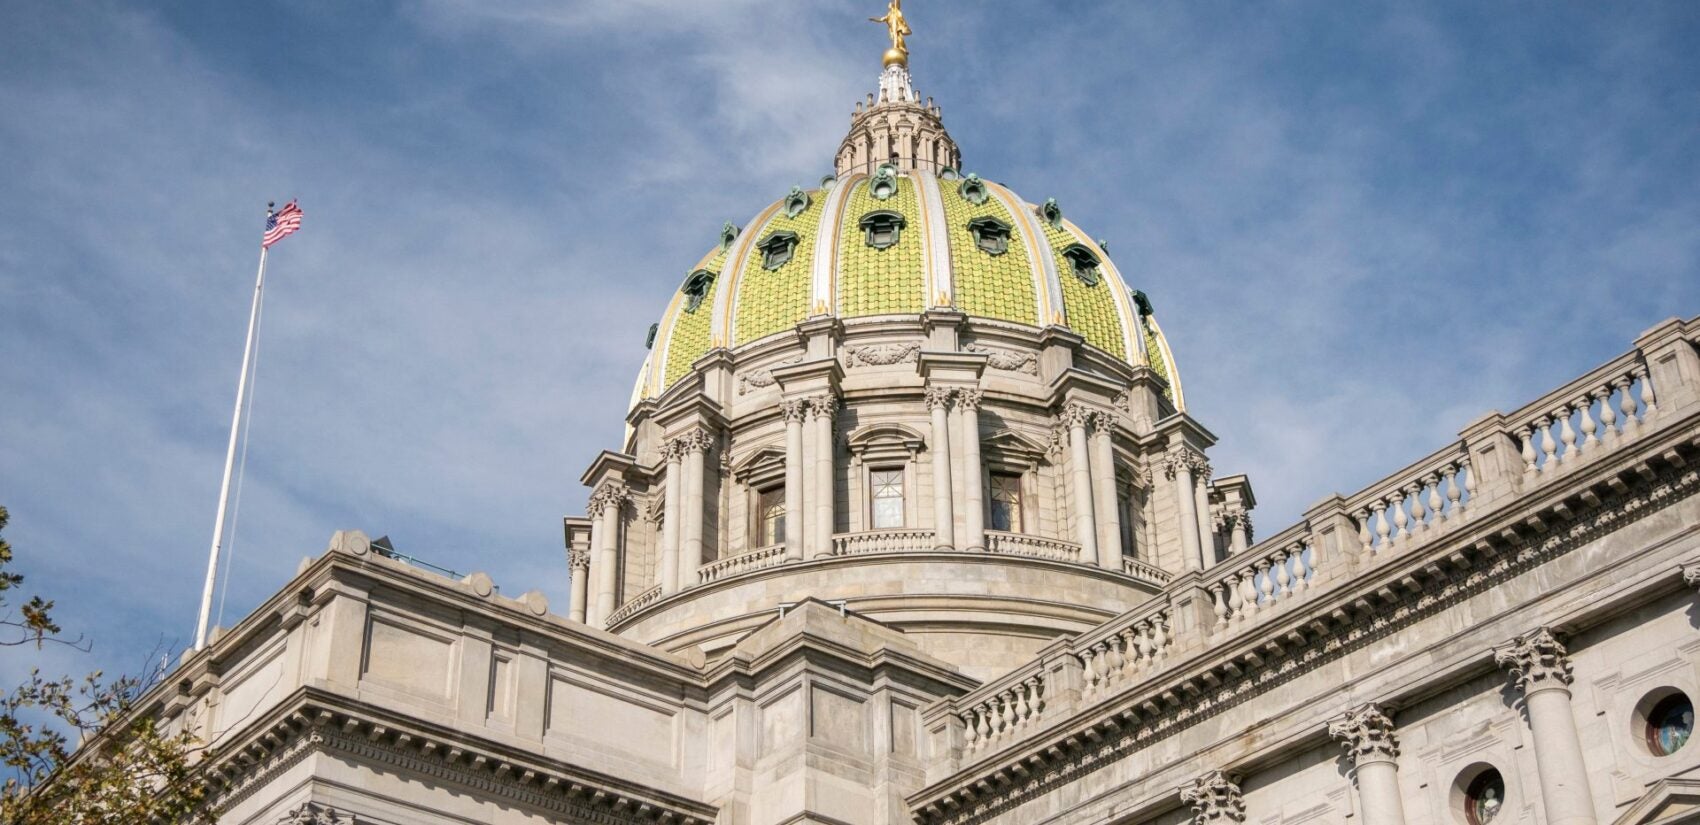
[(230, 458)]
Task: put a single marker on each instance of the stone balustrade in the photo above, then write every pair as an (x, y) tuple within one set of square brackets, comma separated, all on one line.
[(1416, 503), (882, 541), (1122, 649), (634, 604), (1145, 571), (1039, 547), (1264, 577), (742, 563), (1000, 711), (1584, 418)]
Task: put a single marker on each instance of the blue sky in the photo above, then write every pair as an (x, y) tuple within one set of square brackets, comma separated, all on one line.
[(1362, 225)]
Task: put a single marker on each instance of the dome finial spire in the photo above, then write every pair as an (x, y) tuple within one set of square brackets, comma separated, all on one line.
[(897, 28)]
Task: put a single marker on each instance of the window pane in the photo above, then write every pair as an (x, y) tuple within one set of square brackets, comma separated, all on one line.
[(888, 512), (770, 512), (887, 487), (1005, 498)]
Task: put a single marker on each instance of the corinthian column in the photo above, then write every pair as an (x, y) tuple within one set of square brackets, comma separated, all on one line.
[(695, 447), (1367, 735), (821, 410), (1077, 416), (1214, 799), (1540, 668), (973, 505), (1104, 482), (944, 521), (795, 411), (606, 503), (1179, 465), (578, 560), (670, 519)]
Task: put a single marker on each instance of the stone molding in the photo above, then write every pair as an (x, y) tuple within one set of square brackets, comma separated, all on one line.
[(1214, 798), (1536, 661), (1006, 359), (881, 355), (1366, 734), (1327, 629), (314, 813)]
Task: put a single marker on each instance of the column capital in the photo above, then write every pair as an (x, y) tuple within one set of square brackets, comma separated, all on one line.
[(695, 441), (1076, 414), (610, 494), (794, 409), (939, 397), (969, 400), (1103, 421), (578, 558), (1214, 798), (823, 405), (1536, 661), (1366, 733), (1185, 457)]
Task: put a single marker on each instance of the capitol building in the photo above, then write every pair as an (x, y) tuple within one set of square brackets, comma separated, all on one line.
[(913, 524)]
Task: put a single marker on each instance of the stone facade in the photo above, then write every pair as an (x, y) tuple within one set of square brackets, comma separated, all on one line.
[(945, 569)]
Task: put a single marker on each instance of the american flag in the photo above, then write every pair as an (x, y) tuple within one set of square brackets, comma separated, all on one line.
[(281, 223)]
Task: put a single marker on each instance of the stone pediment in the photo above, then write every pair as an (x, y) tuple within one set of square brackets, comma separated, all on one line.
[(885, 440), (1668, 802)]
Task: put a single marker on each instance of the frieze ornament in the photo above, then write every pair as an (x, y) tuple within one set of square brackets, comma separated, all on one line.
[(938, 397), (1536, 661), (881, 355), (1214, 798), (313, 813), (1366, 733), (1006, 360), (759, 378)]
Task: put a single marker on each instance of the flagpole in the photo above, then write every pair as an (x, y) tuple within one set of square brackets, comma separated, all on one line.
[(230, 457)]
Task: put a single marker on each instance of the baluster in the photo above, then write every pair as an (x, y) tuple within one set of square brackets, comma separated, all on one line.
[(1297, 554), (1089, 663), (983, 712), (1435, 505), (1585, 405), (1266, 582), (1036, 694), (1006, 699), (1025, 693), (1649, 404), (1143, 641), (1283, 582), (1219, 604), (970, 735), (1549, 447), (1526, 437), (1626, 402), (1159, 634), (1566, 435), (1362, 517), (1236, 599), (1414, 492), (1113, 656), (1452, 494), (1381, 529), (1608, 416), (1400, 520), (1248, 591)]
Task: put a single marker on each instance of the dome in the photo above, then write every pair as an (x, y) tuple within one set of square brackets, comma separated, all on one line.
[(897, 238)]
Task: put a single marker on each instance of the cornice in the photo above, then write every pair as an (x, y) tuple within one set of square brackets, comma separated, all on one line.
[(1505, 542)]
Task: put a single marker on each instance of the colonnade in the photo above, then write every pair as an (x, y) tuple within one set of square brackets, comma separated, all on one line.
[(1539, 667)]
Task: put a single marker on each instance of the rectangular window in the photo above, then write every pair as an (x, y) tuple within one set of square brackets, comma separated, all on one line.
[(1005, 499), (887, 486), (770, 516)]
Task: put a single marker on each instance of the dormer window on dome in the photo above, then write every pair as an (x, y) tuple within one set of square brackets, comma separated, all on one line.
[(1084, 262), (696, 288), (972, 189), (990, 235), (882, 228), (777, 248)]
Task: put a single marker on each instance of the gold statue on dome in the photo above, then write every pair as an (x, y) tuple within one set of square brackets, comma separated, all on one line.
[(897, 28)]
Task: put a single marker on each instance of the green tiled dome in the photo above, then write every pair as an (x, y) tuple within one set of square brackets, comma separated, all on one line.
[(863, 246)]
